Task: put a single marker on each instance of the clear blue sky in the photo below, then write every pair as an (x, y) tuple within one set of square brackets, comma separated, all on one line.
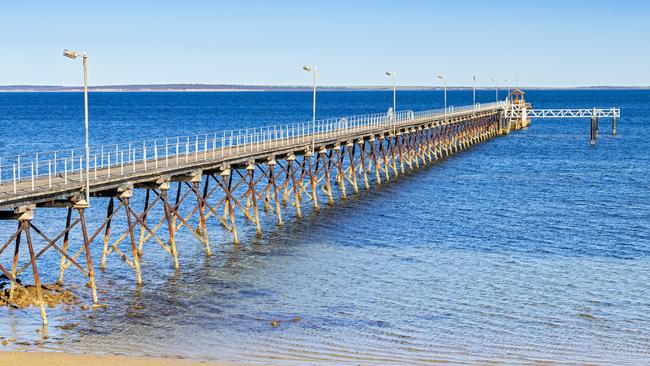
[(543, 43)]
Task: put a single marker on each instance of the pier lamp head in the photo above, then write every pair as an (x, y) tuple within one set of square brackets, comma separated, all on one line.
[(306, 68), (70, 54), (440, 77)]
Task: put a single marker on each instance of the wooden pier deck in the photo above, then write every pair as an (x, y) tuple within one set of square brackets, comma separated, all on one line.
[(47, 187)]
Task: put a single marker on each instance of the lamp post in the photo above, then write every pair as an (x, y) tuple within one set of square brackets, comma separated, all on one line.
[(508, 86), (496, 88), (312, 69), (473, 90), (73, 55), (444, 82), (392, 74)]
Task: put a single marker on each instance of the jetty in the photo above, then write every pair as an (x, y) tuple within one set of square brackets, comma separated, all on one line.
[(228, 177)]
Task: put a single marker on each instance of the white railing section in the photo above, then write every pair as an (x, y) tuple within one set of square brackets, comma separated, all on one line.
[(27, 172), (565, 113)]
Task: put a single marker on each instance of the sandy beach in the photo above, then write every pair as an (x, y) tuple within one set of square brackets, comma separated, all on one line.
[(67, 359)]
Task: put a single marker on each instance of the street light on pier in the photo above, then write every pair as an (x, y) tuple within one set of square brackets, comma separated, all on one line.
[(473, 89), (312, 69), (393, 74), (496, 88), (508, 86), (73, 55), (444, 82)]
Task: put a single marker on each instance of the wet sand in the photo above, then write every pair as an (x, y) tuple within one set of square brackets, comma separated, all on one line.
[(67, 359)]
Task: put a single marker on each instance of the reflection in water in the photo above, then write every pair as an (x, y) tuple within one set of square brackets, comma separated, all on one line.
[(528, 248)]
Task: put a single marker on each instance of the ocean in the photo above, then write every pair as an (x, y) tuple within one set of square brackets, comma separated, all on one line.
[(531, 247)]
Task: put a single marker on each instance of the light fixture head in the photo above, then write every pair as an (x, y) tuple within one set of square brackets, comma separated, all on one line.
[(70, 54), (306, 68), (388, 73)]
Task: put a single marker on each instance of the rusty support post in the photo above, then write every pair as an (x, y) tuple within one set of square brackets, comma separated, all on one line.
[(400, 148), (253, 194), (448, 147), (278, 211), (202, 228), (434, 142), (144, 222), (439, 143), (426, 146), (407, 149), (312, 178), (171, 227), (339, 170), (392, 145), (107, 233), (89, 261), (416, 137), (229, 202), (125, 196), (364, 170), (14, 264), (66, 241), (384, 155), (326, 168), (351, 151), (296, 189), (373, 157), (177, 202), (24, 219)]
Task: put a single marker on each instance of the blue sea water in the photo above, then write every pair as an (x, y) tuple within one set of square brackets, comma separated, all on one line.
[(532, 247)]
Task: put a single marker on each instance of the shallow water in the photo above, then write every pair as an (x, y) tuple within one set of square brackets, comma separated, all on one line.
[(530, 247)]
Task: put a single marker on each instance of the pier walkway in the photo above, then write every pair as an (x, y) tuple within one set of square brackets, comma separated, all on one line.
[(42, 177)]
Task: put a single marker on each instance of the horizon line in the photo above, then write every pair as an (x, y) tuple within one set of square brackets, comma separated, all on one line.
[(278, 87)]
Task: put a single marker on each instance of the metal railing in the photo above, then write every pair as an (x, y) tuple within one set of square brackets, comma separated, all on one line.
[(565, 113), (25, 172)]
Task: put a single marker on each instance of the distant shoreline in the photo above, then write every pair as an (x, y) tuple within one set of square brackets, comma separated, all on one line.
[(269, 88)]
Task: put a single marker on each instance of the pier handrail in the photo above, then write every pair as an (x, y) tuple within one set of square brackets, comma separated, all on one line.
[(173, 151)]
